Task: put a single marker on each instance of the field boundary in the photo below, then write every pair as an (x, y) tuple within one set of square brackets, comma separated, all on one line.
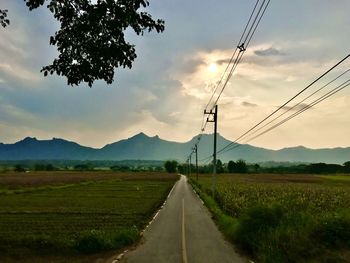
[(161, 207), (120, 256), (224, 222), (308, 222)]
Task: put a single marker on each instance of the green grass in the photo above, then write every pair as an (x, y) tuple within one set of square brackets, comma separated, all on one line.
[(286, 218), (81, 217)]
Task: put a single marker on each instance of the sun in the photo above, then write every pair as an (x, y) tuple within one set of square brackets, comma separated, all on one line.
[(213, 67)]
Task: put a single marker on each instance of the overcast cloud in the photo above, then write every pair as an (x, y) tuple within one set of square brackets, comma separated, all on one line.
[(170, 83)]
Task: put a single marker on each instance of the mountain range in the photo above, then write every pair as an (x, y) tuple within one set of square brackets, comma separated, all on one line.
[(143, 147)]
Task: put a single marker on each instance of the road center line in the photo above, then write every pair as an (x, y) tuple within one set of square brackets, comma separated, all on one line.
[(184, 252)]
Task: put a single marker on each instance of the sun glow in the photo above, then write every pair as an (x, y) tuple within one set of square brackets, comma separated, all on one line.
[(213, 67)]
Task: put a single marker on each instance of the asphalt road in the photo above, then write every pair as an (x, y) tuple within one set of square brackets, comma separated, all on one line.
[(183, 232)]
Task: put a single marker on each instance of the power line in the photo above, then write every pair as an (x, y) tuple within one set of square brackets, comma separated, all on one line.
[(233, 55), (292, 116), (244, 45), (248, 32), (287, 102), (205, 160), (300, 102), (307, 107)]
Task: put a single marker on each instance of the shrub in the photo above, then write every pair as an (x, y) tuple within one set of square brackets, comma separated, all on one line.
[(125, 237), (333, 231), (92, 242), (254, 225), (95, 241), (170, 166)]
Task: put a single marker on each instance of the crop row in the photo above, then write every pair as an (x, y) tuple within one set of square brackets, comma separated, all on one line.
[(68, 216)]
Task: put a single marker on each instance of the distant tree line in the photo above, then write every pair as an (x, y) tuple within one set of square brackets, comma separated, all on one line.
[(172, 166), (314, 168), (241, 166), (71, 165)]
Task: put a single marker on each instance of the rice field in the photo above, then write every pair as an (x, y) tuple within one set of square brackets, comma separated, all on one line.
[(80, 213)]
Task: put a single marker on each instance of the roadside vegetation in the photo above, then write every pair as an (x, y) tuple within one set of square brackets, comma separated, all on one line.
[(282, 218), (51, 214), (171, 166)]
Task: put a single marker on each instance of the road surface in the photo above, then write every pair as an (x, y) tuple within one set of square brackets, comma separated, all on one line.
[(183, 232)]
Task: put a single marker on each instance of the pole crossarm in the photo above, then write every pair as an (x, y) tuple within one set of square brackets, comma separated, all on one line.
[(214, 114)]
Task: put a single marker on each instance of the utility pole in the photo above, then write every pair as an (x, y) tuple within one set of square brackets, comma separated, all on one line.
[(190, 164), (196, 151), (186, 167), (215, 120)]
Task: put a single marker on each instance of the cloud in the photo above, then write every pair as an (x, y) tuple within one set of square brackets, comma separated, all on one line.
[(249, 58), (295, 107), (223, 61), (11, 113), (249, 104), (269, 52), (17, 72)]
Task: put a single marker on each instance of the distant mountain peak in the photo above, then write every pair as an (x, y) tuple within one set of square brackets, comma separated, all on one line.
[(140, 135), (300, 147), (143, 136), (144, 147), (29, 139), (60, 140)]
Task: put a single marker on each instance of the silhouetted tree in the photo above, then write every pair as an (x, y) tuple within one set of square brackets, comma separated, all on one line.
[(91, 41), (219, 167), (19, 168), (319, 168), (256, 167), (50, 167), (83, 167), (347, 167), (170, 166), (181, 168), (237, 167), (4, 21), (39, 167), (231, 166), (241, 166)]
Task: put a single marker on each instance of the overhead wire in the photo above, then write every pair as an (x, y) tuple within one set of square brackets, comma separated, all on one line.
[(233, 55), (293, 115), (248, 32), (307, 107), (286, 103), (245, 45), (300, 102)]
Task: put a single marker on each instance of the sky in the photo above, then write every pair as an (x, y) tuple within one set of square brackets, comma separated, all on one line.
[(173, 76)]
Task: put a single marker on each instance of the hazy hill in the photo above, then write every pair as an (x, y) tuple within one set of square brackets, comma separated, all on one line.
[(55, 149), (143, 147)]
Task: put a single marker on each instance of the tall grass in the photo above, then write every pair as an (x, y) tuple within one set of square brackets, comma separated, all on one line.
[(289, 222)]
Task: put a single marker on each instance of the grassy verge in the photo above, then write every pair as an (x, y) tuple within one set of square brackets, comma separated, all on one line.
[(74, 217), (281, 219)]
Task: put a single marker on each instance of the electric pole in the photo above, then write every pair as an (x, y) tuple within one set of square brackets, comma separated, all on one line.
[(196, 151), (190, 164), (215, 120), (186, 167)]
